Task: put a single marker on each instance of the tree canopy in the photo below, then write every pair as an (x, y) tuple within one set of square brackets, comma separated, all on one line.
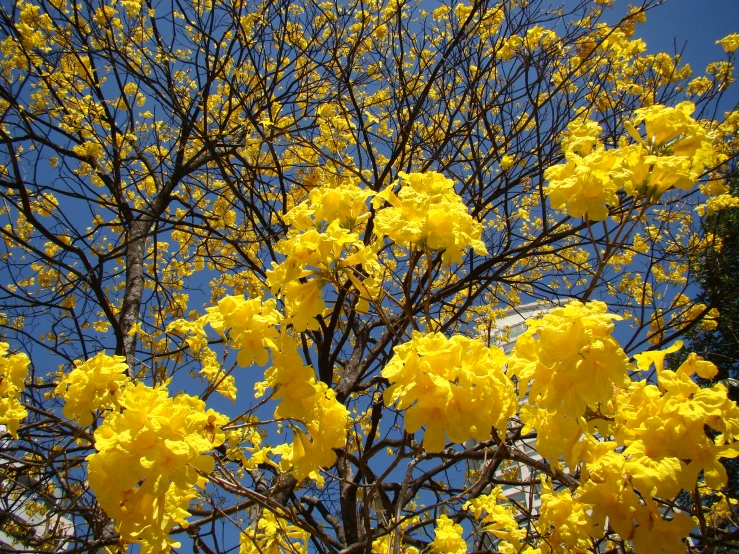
[(256, 255)]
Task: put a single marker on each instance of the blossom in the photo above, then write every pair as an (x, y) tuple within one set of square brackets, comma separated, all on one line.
[(273, 535), (729, 42), (657, 534), (499, 518), (567, 517), (92, 385), (149, 458), (452, 386), (506, 162), (13, 372), (318, 420), (314, 258), (428, 211), (674, 153), (583, 185), (448, 537), (570, 359), (250, 325)]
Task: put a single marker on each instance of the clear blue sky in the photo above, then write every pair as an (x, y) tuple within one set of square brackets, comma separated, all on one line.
[(695, 24)]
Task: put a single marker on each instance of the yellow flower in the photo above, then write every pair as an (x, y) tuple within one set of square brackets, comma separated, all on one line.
[(651, 474), (656, 534), (323, 246), (570, 359), (250, 324), (325, 429), (451, 386), (273, 535), (13, 372), (91, 386), (506, 162), (499, 518), (645, 360), (448, 537), (148, 459), (428, 211), (317, 419), (569, 519), (609, 494), (729, 42), (584, 184), (346, 203)]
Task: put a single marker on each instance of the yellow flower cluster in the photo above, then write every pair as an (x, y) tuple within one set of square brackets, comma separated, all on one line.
[(499, 518), (91, 386), (718, 203), (664, 425), (318, 421), (674, 153), (567, 362), (13, 372), (427, 211), (148, 459), (386, 543), (325, 429), (568, 519), (730, 43), (580, 395), (197, 340), (454, 386), (345, 202), (324, 245), (448, 537), (273, 535), (321, 247), (304, 400), (250, 325)]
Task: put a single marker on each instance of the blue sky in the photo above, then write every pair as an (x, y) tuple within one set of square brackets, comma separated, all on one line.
[(695, 24)]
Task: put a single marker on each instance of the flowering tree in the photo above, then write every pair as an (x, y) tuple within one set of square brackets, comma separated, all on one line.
[(255, 253)]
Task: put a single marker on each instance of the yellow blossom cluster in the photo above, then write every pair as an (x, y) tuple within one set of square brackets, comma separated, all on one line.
[(92, 385), (273, 535), (249, 324), (718, 203), (665, 424), (730, 42), (150, 457), (499, 518), (325, 429), (454, 386), (566, 517), (386, 543), (308, 402), (197, 341), (634, 440), (345, 202), (427, 211), (318, 421), (448, 537), (323, 246), (568, 361), (674, 152), (690, 313), (13, 372)]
